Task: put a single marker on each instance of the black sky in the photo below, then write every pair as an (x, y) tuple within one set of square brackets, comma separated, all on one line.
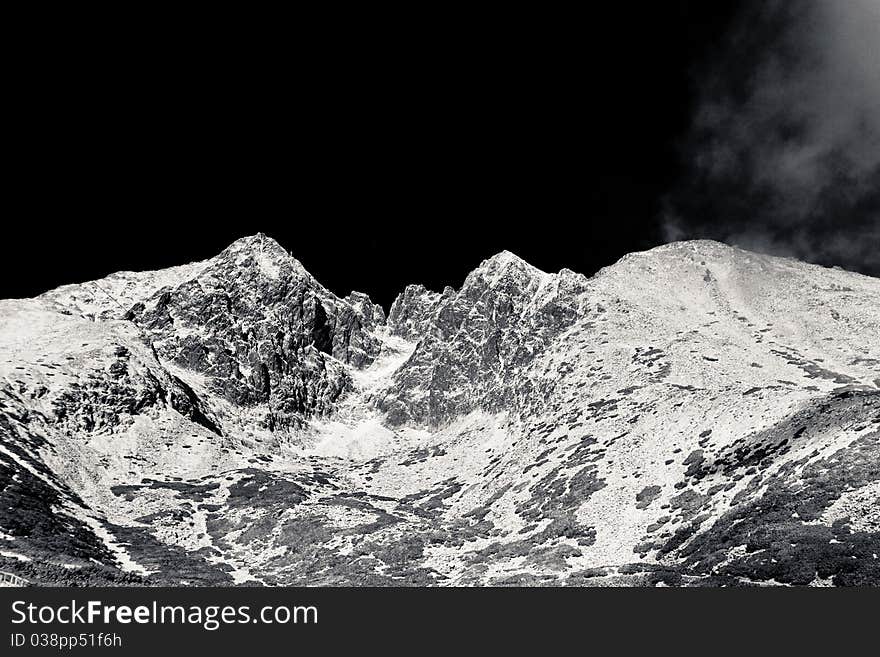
[(378, 161)]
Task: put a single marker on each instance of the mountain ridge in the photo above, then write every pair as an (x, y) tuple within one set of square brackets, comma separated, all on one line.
[(245, 424), (254, 242)]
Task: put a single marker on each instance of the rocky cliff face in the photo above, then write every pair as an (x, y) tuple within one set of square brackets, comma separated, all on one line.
[(256, 327), (694, 414), (474, 343)]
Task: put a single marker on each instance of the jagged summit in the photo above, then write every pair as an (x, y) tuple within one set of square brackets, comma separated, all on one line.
[(265, 254), (505, 264), (258, 243), (504, 259)]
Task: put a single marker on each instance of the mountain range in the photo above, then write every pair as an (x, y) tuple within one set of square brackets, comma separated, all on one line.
[(693, 415)]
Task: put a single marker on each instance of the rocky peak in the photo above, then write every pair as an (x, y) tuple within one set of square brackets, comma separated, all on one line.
[(258, 242), (506, 262), (471, 343), (259, 256), (682, 256), (372, 314), (262, 331), (504, 271), (412, 311)]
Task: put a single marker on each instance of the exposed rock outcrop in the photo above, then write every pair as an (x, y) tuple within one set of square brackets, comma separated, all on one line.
[(474, 342)]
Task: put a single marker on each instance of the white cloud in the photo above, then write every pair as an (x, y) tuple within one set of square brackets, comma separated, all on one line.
[(792, 118)]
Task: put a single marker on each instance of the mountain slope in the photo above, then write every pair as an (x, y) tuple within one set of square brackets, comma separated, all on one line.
[(694, 414)]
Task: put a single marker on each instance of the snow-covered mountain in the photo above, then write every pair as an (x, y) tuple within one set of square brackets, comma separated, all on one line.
[(692, 415)]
